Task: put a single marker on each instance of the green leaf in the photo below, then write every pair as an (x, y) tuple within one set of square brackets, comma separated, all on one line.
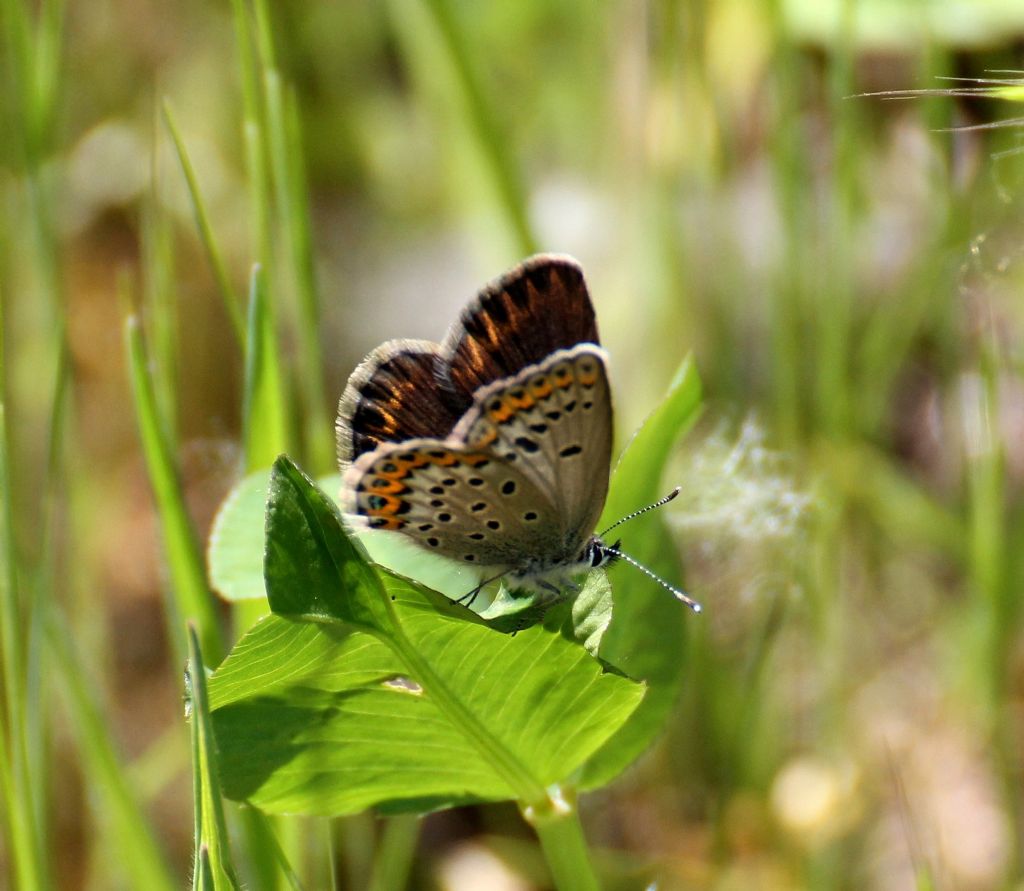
[(592, 611), (320, 719), (646, 636), (313, 568), (234, 553), (409, 703)]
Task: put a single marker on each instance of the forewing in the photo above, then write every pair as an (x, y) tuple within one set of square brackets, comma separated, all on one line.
[(394, 396), (553, 422), (467, 504), (534, 310)]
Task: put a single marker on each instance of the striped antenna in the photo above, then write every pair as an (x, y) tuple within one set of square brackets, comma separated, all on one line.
[(659, 503), (615, 552), (677, 592)]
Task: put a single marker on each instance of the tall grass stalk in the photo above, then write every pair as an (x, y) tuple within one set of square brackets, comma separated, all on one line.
[(463, 84)]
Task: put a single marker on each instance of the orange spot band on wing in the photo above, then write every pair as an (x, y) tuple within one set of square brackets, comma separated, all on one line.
[(541, 389)]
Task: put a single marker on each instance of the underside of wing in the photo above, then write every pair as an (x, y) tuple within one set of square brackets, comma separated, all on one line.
[(553, 421), (466, 504)]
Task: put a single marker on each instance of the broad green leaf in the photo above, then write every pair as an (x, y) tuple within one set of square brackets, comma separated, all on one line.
[(313, 568), (592, 611), (409, 703), (320, 719), (646, 636), (234, 554)]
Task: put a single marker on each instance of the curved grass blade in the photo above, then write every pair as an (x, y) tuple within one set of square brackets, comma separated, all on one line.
[(264, 418), (228, 296), (213, 869), (142, 860), (184, 559)]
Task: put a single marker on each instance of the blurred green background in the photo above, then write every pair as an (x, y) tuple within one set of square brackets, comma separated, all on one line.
[(846, 270)]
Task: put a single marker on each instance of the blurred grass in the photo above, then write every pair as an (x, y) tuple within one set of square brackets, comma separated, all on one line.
[(836, 265)]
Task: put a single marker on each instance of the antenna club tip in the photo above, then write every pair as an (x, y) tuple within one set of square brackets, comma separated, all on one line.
[(696, 607), (674, 492)]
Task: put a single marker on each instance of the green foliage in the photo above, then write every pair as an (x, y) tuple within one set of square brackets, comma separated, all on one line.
[(636, 641), (842, 267), (355, 655), (213, 869)]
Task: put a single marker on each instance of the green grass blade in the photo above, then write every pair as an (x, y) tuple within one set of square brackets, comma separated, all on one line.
[(232, 304), (213, 850), (141, 858), (465, 83), (159, 296), (23, 834), (265, 419), (191, 597), (280, 126), (318, 425)]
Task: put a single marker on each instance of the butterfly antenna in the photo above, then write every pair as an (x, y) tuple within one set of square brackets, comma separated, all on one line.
[(678, 593), (659, 503)]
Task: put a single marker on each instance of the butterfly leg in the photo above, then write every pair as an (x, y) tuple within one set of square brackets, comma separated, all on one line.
[(554, 593), (471, 595)]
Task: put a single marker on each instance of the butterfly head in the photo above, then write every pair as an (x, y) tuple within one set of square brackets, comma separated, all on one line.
[(597, 553)]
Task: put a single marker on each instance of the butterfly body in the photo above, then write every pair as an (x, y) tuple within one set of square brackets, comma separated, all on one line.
[(493, 448)]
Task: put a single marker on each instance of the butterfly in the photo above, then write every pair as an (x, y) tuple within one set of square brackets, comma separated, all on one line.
[(494, 447)]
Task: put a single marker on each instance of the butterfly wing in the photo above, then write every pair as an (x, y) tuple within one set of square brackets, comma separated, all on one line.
[(554, 421), (493, 448), (518, 320), (408, 389), (520, 482), (463, 503), (394, 396)]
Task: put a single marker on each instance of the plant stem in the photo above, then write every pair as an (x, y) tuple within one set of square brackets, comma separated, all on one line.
[(561, 839), (392, 861)]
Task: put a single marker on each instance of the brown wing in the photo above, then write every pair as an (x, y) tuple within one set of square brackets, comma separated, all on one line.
[(518, 320), (407, 389), (393, 396), (519, 484)]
